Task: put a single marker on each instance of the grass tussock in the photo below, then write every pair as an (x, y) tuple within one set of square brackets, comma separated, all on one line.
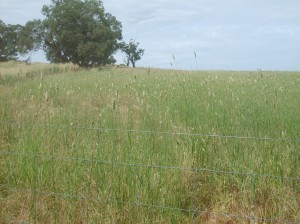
[(65, 159)]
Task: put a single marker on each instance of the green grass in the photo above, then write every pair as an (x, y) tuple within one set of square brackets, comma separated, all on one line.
[(80, 174)]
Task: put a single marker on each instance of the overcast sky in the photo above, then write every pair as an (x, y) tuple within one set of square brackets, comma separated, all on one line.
[(225, 34)]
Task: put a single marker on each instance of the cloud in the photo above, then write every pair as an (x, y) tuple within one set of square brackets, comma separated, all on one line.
[(19, 11), (233, 34)]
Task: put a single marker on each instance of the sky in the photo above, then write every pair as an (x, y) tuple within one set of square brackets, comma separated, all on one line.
[(224, 35)]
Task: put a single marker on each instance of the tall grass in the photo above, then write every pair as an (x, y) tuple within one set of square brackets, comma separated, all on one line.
[(55, 171), (14, 71)]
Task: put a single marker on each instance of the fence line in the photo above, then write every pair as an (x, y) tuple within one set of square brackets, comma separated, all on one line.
[(150, 132), (110, 200), (190, 169), (193, 211)]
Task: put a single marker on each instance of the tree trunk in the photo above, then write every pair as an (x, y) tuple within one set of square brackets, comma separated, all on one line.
[(133, 63)]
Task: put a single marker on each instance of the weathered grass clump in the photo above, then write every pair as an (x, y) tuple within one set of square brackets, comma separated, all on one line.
[(65, 157)]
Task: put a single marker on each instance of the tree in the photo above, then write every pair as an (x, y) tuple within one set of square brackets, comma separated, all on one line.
[(8, 41), (133, 53), (30, 37), (18, 40), (80, 32)]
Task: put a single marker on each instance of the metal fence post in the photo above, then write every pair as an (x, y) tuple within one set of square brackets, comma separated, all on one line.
[(253, 179), (35, 188), (195, 195)]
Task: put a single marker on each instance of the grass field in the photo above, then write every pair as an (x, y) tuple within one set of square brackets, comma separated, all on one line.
[(69, 152)]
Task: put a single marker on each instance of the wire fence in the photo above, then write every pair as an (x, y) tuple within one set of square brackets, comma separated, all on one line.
[(150, 132), (193, 210)]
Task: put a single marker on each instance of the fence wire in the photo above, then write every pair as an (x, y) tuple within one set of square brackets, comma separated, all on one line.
[(149, 132), (64, 196), (149, 166), (137, 202)]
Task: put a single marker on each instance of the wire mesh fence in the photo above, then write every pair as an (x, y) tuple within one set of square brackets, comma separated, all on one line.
[(116, 182)]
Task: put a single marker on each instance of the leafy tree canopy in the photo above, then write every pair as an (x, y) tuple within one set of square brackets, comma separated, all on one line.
[(18, 40), (30, 37), (132, 52), (8, 41), (80, 32)]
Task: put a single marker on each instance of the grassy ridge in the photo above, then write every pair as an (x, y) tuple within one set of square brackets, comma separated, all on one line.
[(67, 161)]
